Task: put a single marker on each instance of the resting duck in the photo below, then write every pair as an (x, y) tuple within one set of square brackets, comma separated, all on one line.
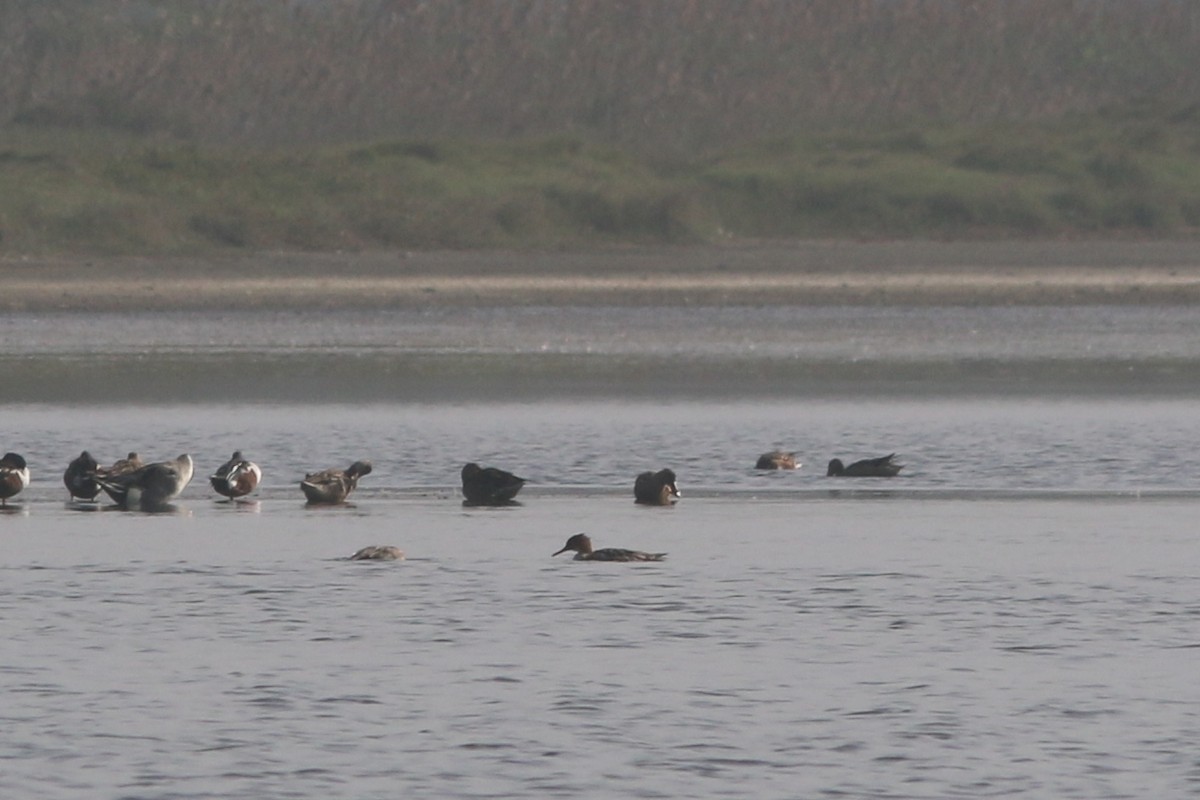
[(332, 486), (237, 477), (379, 552), (777, 459), (14, 476), (656, 488), (489, 486), (582, 545), (882, 467), (80, 477), (122, 466), (150, 487)]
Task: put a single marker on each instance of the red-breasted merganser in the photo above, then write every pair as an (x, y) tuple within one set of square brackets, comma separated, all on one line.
[(379, 552), (882, 467), (656, 488), (582, 545)]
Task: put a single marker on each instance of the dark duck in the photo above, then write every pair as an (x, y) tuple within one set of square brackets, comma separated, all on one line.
[(80, 477), (656, 488), (489, 486), (777, 459), (882, 467)]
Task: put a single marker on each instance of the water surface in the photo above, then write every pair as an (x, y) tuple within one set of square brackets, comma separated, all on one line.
[(1014, 615), (820, 646), (542, 352)]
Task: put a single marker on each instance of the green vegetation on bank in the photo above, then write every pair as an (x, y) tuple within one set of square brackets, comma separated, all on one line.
[(101, 192)]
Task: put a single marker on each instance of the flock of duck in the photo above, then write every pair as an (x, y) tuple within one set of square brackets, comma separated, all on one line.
[(137, 486)]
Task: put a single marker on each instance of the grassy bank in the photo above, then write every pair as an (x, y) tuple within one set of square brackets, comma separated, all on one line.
[(71, 190), (167, 126)]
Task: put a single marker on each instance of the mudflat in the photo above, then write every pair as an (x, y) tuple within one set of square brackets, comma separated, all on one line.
[(754, 273)]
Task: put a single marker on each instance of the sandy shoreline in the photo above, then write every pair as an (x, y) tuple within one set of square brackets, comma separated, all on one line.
[(780, 273)]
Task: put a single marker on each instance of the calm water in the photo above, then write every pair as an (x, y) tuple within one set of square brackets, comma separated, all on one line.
[(1016, 615), (539, 353)]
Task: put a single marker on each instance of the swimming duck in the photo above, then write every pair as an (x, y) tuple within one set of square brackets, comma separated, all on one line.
[(489, 486), (80, 477), (777, 459), (379, 552), (582, 545), (14, 476), (656, 488), (237, 477), (882, 467), (332, 486), (150, 487)]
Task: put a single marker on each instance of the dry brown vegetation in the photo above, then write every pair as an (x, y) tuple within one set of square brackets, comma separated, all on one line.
[(666, 76)]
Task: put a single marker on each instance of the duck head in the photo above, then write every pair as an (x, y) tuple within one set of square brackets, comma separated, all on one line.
[(580, 543)]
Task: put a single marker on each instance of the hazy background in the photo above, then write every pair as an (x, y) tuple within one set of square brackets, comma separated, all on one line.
[(679, 75), (334, 125)]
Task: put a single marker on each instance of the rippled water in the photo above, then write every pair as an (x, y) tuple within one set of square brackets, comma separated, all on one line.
[(883, 647), (1015, 615)]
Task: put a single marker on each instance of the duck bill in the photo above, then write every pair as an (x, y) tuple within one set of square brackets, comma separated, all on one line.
[(565, 549)]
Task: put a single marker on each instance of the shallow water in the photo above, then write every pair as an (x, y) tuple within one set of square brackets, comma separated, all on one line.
[(536, 353), (1015, 614), (1081, 444)]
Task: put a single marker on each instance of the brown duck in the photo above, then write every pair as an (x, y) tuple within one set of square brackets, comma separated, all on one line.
[(582, 545), (332, 486)]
